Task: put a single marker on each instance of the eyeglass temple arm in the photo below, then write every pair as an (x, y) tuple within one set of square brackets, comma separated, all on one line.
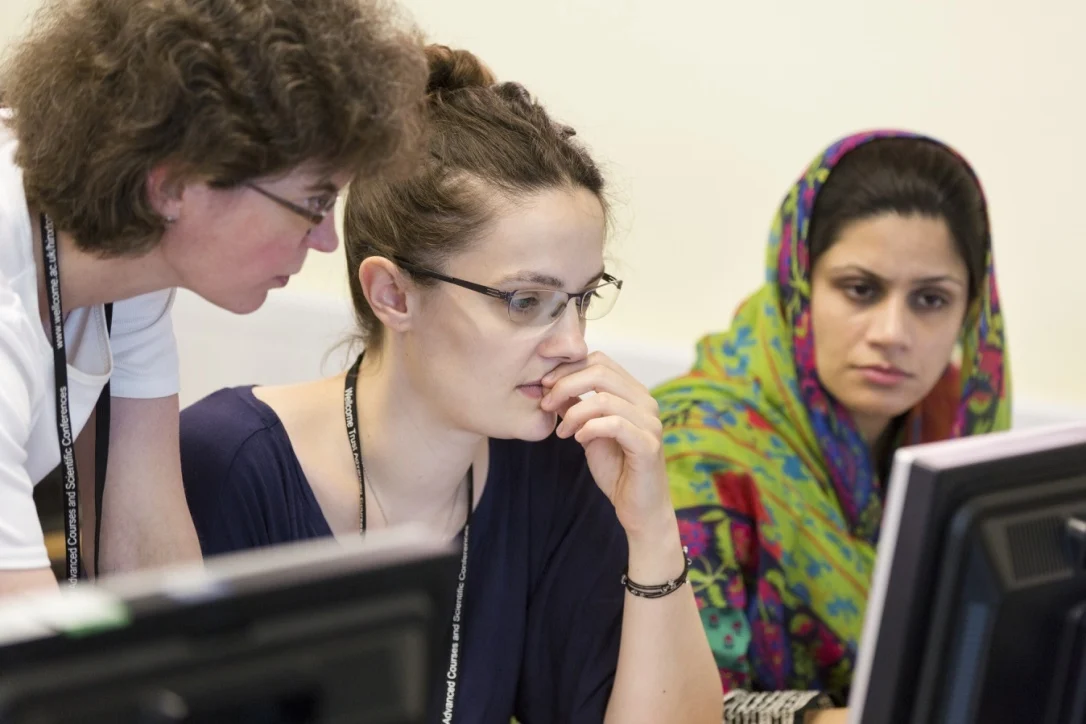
[(489, 291)]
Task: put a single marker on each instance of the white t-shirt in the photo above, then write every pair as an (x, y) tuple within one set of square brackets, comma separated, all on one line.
[(139, 359)]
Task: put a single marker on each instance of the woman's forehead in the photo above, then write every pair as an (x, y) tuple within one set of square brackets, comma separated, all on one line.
[(557, 234), (892, 246)]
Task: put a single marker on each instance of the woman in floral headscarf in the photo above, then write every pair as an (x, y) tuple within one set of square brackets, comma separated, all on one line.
[(878, 326)]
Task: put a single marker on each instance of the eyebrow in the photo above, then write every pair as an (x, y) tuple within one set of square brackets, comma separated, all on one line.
[(545, 280), (937, 279), (325, 186)]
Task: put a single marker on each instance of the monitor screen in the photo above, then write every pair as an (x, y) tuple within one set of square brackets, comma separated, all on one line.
[(316, 632), (976, 610)]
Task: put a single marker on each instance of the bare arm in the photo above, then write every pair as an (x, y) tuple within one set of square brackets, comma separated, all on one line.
[(35, 579), (665, 671), (145, 518)]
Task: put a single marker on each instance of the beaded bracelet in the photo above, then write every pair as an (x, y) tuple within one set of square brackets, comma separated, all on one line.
[(661, 590)]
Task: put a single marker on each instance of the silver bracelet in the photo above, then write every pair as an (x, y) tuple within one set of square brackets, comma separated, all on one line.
[(772, 707), (663, 589)]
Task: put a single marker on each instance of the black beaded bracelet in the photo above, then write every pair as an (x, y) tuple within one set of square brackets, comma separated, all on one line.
[(661, 590)]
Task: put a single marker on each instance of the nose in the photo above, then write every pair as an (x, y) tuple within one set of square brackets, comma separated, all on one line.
[(565, 338), (323, 236), (890, 325)]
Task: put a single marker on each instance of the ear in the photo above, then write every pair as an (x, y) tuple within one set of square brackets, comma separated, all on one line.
[(165, 189), (389, 293)]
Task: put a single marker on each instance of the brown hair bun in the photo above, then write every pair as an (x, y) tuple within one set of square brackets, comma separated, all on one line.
[(452, 70)]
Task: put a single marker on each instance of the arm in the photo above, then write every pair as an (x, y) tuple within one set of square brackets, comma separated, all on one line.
[(665, 671), (665, 668), (24, 563), (34, 579), (145, 519)]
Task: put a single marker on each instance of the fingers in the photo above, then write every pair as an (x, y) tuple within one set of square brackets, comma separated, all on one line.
[(593, 359), (640, 446), (565, 406), (606, 404), (599, 374)]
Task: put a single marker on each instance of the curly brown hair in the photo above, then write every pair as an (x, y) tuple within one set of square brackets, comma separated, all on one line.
[(226, 90), (484, 136)]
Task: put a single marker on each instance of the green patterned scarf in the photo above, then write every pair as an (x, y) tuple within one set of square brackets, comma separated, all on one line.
[(777, 494)]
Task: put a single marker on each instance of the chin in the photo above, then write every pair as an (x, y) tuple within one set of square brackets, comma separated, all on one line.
[(240, 303), (888, 407), (539, 427)]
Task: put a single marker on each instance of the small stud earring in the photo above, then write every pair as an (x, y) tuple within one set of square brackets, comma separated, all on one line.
[(171, 219)]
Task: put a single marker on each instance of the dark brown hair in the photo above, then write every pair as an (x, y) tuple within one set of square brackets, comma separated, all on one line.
[(229, 90), (483, 137), (904, 176)]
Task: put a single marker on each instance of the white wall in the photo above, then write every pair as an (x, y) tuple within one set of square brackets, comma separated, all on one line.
[(14, 17), (221, 349), (704, 111)]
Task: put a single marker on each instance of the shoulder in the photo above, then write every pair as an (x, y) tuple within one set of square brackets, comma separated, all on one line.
[(234, 455), (12, 194), (224, 421), (21, 364), (16, 252), (739, 367), (142, 312), (699, 411), (145, 360), (226, 435), (720, 437)]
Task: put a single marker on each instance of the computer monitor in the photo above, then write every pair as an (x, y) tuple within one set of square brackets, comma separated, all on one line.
[(977, 611), (312, 633)]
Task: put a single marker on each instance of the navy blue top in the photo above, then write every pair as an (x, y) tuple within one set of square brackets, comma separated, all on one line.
[(543, 600)]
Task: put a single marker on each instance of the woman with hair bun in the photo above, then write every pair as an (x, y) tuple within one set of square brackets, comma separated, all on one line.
[(472, 281)]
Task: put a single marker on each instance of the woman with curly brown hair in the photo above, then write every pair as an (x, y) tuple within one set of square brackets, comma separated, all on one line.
[(149, 145)]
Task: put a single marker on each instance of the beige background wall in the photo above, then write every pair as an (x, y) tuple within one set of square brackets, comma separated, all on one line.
[(704, 111)]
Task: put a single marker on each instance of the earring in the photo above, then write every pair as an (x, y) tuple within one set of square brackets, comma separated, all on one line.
[(170, 219)]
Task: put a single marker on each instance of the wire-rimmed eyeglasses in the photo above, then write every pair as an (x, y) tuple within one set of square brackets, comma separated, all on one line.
[(536, 307), (322, 205)]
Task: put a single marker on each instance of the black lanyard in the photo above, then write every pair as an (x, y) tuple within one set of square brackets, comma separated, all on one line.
[(452, 674), (73, 561)]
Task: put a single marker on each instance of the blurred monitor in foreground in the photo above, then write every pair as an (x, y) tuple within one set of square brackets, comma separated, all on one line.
[(313, 633)]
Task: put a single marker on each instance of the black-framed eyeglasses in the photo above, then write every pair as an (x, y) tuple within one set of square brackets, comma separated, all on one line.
[(538, 307), (314, 216)]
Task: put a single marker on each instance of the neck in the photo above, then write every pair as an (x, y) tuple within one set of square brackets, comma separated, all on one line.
[(880, 441), (87, 279), (871, 428), (415, 460)]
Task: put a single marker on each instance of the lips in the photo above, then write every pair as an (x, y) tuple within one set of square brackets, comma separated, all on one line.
[(283, 279), (533, 390), (886, 369), (883, 375)]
